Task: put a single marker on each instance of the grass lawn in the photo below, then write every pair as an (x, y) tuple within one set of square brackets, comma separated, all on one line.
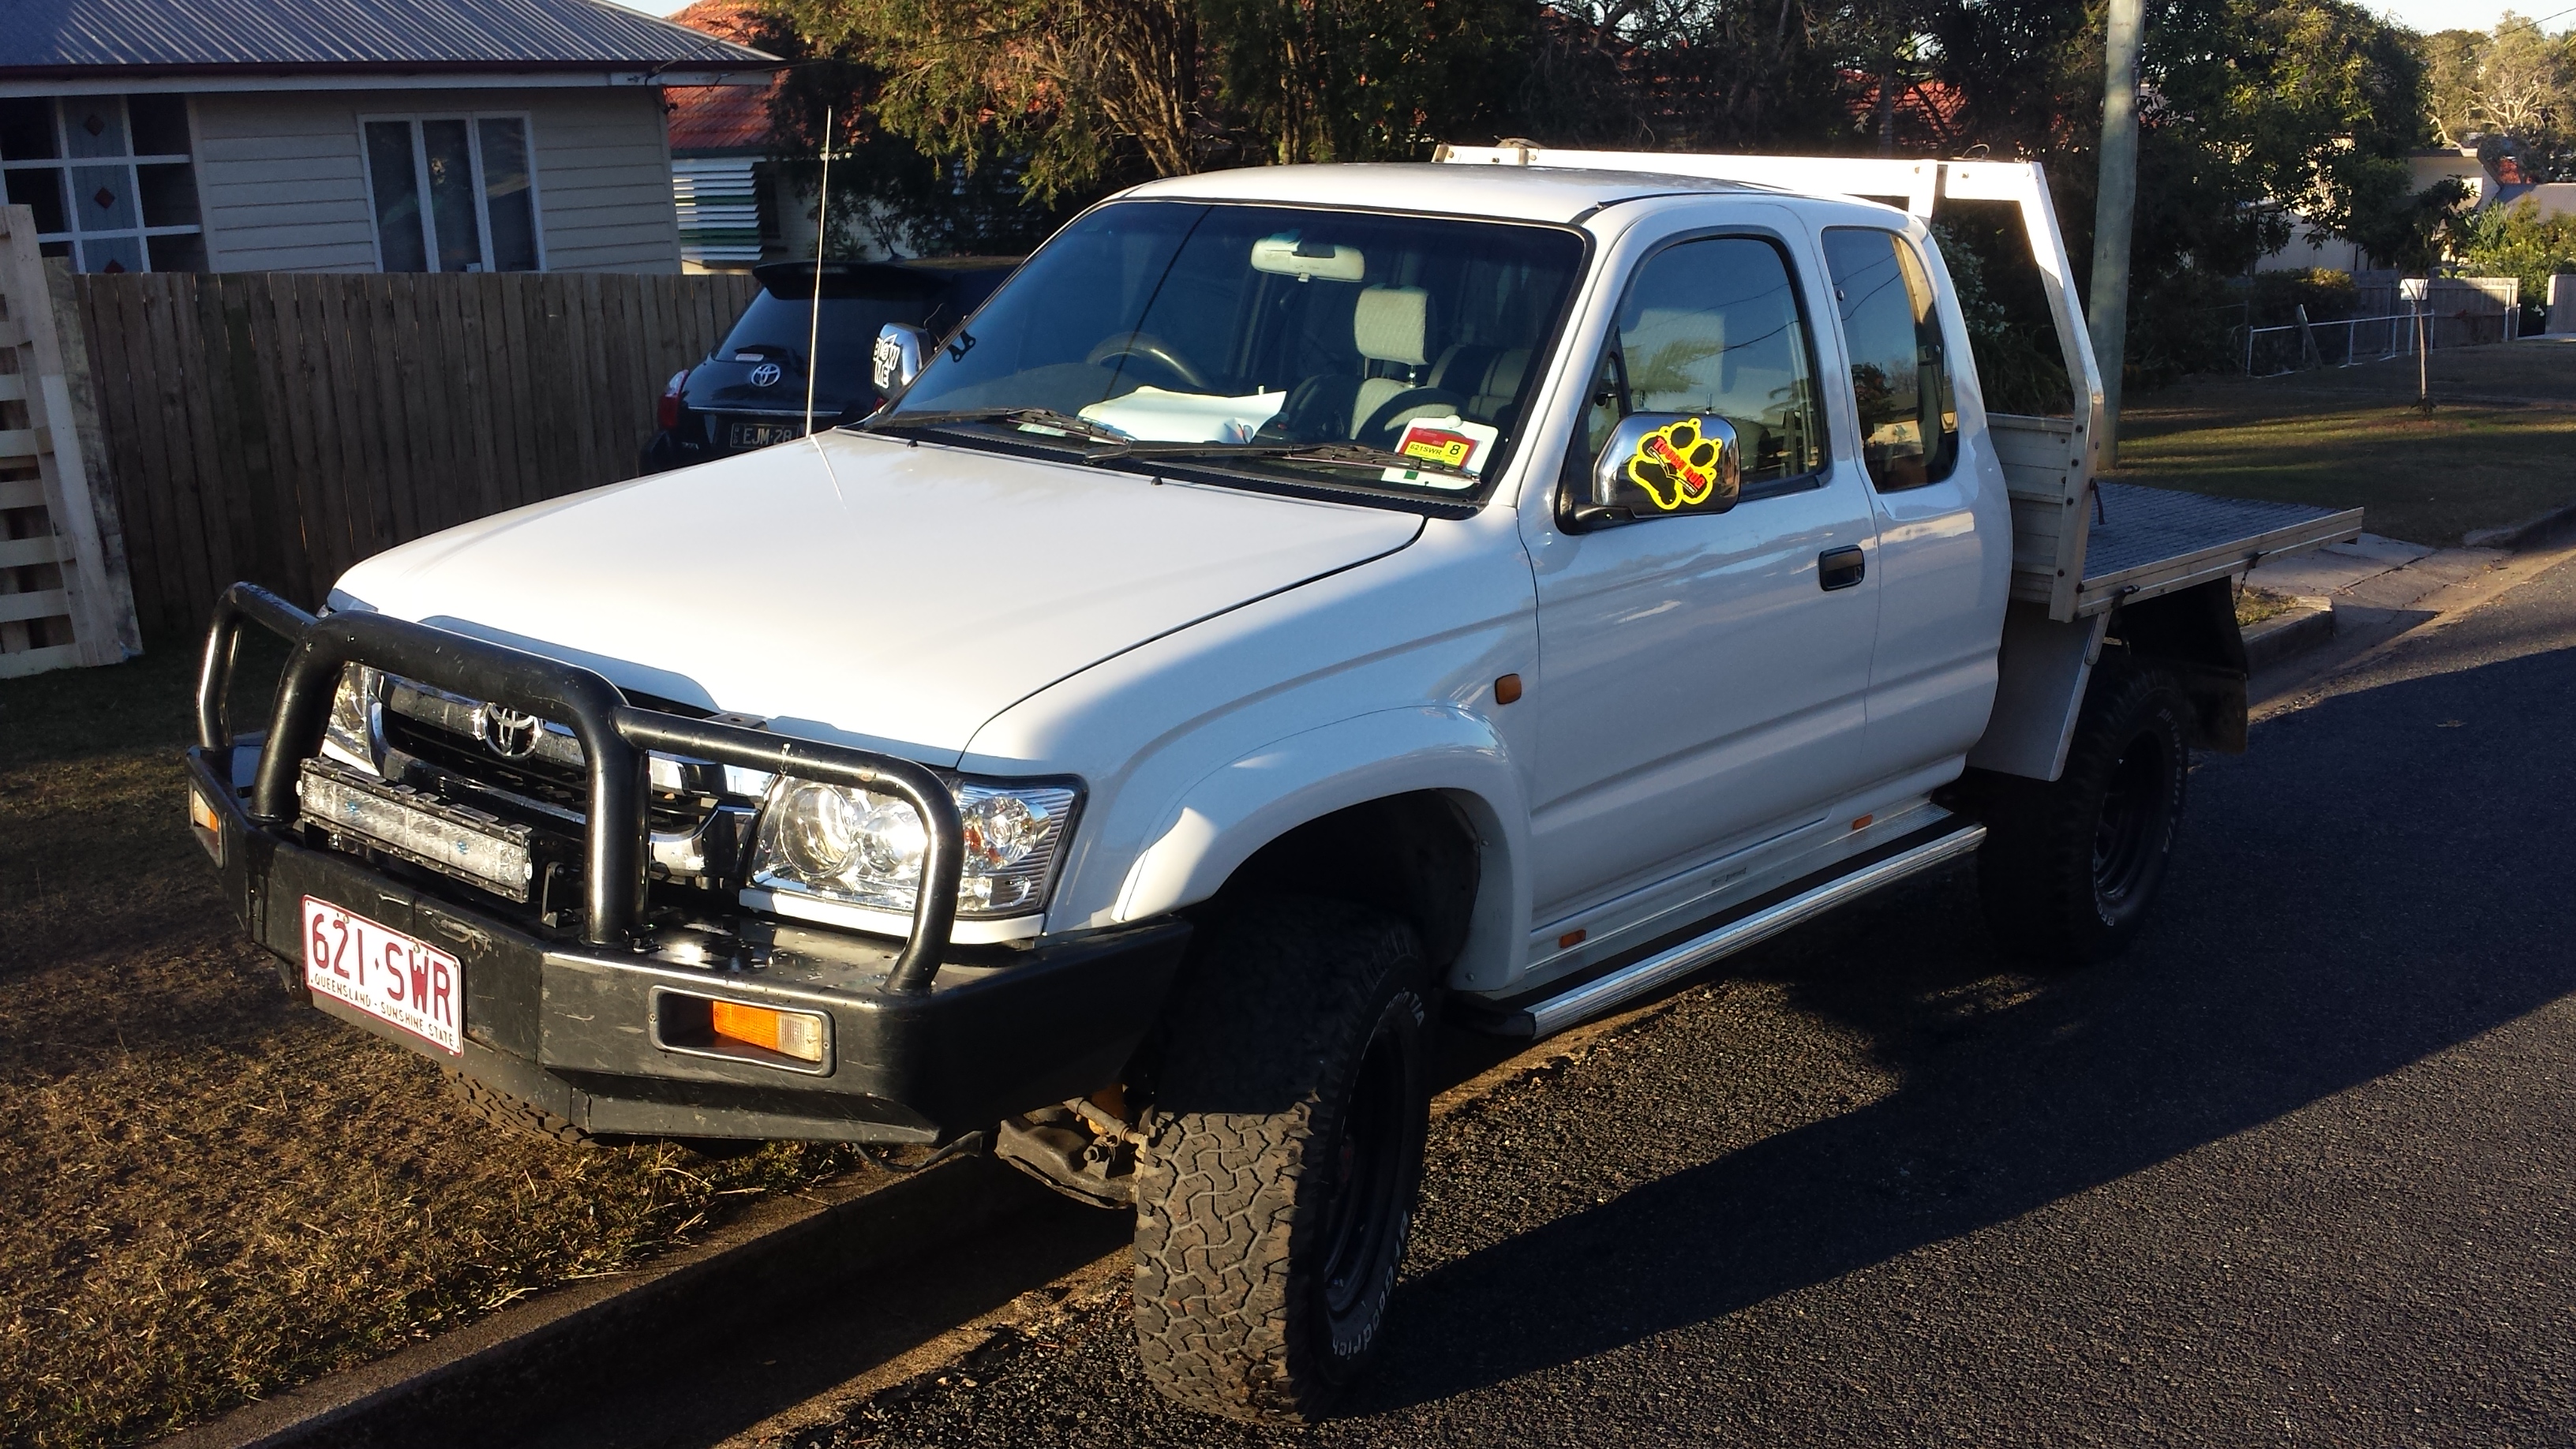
[(211, 1190), (2498, 448)]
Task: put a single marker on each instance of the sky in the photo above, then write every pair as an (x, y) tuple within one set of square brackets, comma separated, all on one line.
[(2419, 14)]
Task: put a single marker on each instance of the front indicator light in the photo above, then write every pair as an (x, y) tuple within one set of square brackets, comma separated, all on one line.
[(788, 1033), (210, 827)]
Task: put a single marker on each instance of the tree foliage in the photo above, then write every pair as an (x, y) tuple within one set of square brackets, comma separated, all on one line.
[(2508, 92)]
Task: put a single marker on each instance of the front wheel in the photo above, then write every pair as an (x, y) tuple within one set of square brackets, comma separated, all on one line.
[(2070, 867), (1275, 1191)]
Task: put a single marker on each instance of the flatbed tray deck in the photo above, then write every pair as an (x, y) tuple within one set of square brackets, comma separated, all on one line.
[(2148, 541)]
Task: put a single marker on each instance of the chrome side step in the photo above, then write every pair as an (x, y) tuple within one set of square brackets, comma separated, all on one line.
[(1592, 998)]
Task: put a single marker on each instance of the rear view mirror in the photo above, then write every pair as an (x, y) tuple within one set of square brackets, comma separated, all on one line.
[(1286, 255), (1663, 463), (900, 346)]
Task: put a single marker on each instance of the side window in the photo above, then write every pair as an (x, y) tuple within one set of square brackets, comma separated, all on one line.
[(1909, 417), (1714, 327)]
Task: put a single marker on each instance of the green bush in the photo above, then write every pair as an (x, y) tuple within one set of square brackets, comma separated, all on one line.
[(2517, 241)]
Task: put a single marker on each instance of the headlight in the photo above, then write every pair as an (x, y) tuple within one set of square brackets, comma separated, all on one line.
[(351, 731), (863, 848)]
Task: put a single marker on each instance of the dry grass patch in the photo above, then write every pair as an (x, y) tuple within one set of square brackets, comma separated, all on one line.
[(208, 1190)]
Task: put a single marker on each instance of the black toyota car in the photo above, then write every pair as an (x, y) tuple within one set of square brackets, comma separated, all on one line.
[(750, 392)]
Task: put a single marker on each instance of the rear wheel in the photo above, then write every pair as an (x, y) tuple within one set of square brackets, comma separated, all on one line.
[(2070, 867), (1275, 1192)]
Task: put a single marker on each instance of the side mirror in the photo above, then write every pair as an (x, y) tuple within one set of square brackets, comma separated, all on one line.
[(1662, 463), (900, 346)]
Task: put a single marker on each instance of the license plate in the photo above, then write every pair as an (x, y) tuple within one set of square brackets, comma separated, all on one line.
[(384, 973), (761, 435)]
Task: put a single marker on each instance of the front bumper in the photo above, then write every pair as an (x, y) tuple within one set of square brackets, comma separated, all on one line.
[(569, 1026), (926, 1038)]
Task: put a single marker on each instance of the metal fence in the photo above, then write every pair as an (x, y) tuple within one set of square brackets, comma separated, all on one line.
[(2271, 351), (2443, 313)]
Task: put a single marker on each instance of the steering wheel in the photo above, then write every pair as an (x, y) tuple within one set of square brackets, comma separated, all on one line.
[(1153, 349)]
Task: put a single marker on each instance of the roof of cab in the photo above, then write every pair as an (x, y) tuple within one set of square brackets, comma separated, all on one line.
[(1522, 193)]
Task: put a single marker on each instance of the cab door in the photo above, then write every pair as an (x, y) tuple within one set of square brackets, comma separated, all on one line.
[(1704, 675), (1944, 525)]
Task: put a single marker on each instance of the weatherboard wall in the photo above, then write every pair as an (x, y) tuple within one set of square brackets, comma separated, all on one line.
[(284, 188)]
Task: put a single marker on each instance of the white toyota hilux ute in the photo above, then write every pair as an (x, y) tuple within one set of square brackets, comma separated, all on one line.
[(1303, 606)]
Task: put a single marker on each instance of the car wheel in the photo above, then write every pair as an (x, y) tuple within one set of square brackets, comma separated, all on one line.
[(1276, 1188)]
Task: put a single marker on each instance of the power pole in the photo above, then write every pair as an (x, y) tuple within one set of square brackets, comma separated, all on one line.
[(2113, 208)]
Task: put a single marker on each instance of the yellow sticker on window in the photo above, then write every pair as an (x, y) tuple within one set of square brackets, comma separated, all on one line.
[(1677, 465)]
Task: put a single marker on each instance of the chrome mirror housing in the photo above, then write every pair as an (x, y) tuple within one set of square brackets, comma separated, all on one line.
[(1659, 464), (900, 347)]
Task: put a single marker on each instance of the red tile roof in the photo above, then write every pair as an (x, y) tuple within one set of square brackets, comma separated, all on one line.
[(720, 118)]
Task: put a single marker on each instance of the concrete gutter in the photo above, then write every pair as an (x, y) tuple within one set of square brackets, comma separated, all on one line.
[(471, 1384)]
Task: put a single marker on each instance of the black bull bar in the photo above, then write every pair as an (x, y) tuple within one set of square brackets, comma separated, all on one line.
[(616, 737)]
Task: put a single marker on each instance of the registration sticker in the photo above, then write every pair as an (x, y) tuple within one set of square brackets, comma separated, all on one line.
[(1451, 444), (390, 976)]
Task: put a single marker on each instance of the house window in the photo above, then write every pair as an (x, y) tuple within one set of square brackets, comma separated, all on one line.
[(452, 193), (111, 179)]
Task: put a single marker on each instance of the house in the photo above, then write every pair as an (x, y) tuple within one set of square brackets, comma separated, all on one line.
[(349, 135), (722, 180)]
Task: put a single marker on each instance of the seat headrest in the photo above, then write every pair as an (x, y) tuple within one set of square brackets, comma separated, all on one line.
[(1391, 323)]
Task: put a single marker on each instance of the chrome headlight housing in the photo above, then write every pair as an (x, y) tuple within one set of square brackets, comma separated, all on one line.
[(862, 848)]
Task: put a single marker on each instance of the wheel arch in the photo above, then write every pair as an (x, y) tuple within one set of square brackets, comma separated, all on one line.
[(1415, 811)]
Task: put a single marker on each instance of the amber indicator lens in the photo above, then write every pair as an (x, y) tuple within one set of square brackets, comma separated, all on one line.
[(201, 814), (788, 1033)]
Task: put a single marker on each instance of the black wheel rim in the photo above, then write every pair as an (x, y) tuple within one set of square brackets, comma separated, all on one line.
[(2130, 830), (1362, 1220)]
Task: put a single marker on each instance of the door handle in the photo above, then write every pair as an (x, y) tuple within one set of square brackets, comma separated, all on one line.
[(1841, 568)]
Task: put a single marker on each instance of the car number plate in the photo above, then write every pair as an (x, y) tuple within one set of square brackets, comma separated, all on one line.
[(390, 976), (761, 435)]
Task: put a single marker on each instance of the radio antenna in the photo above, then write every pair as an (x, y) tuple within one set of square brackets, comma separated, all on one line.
[(814, 305)]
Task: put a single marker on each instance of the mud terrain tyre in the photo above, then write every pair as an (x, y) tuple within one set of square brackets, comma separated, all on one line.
[(1276, 1187), (2070, 868)]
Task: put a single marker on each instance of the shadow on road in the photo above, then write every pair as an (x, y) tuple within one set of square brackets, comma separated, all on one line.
[(2382, 878)]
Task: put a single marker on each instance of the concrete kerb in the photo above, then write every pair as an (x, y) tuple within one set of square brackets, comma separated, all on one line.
[(2517, 534), (480, 1377)]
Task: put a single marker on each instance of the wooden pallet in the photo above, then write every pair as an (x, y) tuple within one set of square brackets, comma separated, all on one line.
[(64, 595)]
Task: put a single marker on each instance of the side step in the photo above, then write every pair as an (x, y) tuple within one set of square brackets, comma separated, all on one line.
[(1556, 1013)]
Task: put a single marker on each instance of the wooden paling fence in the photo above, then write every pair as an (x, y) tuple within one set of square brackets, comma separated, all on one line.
[(281, 426)]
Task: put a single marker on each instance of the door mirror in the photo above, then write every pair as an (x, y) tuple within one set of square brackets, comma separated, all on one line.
[(1656, 464), (900, 346)]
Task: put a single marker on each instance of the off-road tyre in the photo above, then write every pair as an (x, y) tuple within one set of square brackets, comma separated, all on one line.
[(1275, 1190), (519, 1119), (2070, 868)]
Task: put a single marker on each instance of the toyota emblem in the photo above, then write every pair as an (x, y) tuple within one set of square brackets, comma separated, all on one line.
[(506, 732), (765, 375)]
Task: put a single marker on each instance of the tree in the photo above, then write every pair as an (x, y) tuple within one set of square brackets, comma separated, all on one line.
[(2451, 82), (2250, 110)]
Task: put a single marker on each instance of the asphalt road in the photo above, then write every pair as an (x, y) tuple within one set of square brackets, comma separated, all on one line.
[(2296, 1170)]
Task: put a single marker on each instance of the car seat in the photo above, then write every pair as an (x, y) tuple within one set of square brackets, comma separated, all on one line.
[(1390, 327)]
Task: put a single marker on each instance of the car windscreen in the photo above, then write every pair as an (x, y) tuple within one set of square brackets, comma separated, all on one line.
[(1367, 349)]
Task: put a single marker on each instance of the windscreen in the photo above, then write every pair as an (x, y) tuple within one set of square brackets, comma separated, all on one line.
[(1273, 339)]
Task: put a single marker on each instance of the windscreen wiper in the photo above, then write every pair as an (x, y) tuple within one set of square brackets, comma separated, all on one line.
[(1034, 420), (1340, 455)]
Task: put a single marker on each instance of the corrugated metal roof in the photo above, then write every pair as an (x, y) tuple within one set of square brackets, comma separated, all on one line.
[(53, 37)]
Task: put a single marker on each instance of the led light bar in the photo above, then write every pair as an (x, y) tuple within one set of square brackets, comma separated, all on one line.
[(469, 845)]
